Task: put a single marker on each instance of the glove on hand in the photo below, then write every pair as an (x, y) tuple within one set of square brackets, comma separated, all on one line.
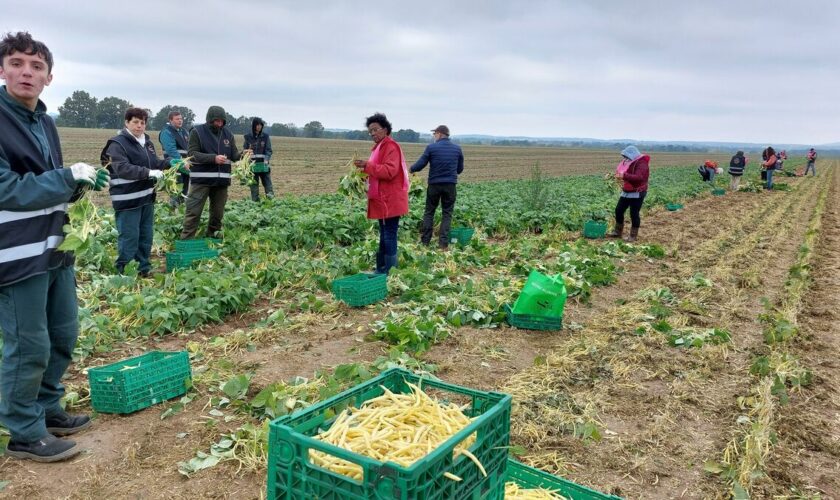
[(84, 173)]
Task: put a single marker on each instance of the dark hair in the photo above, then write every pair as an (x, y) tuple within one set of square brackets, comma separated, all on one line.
[(173, 114), (381, 120), (770, 152), (132, 113), (22, 42)]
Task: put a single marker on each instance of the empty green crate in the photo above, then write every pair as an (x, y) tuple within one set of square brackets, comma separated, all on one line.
[(259, 168), (718, 192), (178, 260), (594, 229), (529, 477), (361, 289), (461, 235), (195, 245), (139, 382), (673, 207), (291, 474), (532, 321)]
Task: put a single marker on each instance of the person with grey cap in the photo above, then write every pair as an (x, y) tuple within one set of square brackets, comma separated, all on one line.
[(633, 192), (446, 162)]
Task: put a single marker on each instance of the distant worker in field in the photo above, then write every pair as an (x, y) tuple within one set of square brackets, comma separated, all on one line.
[(633, 192), (212, 148), (780, 160), (134, 168), (768, 166), (737, 165), (38, 306), (260, 143), (446, 163), (708, 170), (175, 142), (811, 158), (388, 185)]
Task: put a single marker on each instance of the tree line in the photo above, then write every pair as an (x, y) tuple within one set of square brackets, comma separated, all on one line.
[(83, 110)]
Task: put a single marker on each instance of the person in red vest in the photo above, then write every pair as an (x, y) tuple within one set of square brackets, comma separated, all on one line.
[(387, 188)]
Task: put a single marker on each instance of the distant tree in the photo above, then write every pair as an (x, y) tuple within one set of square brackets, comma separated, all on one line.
[(110, 112), (162, 117), (79, 110), (406, 135), (284, 130), (356, 135), (313, 129)]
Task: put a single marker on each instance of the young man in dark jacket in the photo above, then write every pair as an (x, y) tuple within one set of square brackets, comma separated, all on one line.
[(38, 308), (212, 148), (447, 163), (260, 143), (134, 168)]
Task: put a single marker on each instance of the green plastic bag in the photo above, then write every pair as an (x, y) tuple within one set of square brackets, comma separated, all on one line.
[(542, 296)]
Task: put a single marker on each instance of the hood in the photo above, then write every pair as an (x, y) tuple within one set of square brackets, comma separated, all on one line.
[(216, 112), (254, 122), (631, 152)]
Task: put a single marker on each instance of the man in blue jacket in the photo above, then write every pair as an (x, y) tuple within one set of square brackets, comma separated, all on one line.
[(38, 307), (447, 163), (175, 142)]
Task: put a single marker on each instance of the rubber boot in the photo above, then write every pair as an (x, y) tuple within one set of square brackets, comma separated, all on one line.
[(617, 232), (390, 261), (634, 233), (380, 263)]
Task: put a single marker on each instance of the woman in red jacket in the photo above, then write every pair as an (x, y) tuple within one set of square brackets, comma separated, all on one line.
[(387, 188), (633, 192)]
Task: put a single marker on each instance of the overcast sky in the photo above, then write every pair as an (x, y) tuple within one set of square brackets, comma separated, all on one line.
[(756, 71)]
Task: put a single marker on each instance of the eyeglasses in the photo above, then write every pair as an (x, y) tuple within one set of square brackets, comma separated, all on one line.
[(374, 130)]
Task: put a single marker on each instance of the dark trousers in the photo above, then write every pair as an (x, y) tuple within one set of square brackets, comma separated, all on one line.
[(386, 257), (195, 205), (39, 321), (136, 232), (443, 195), (635, 205), (265, 178)]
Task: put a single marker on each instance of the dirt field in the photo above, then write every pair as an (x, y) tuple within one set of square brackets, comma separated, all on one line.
[(662, 412), (307, 166)]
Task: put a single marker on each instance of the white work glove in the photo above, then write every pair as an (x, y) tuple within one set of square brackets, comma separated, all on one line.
[(155, 174), (82, 172)]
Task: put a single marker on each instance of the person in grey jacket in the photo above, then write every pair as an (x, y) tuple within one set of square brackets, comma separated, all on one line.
[(447, 163)]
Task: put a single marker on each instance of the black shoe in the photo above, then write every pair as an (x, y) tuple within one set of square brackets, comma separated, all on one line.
[(65, 424), (145, 274), (48, 449)]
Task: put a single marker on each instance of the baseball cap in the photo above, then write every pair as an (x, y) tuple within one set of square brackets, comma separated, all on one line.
[(443, 129)]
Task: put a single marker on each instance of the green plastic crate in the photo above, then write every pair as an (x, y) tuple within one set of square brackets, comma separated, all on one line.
[(718, 192), (529, 477), (179, 260), (361, 289), (532, 321), (195, 245), (259, 168), (461, 235), (291, 474), (673, 207), (594, 229), (158, 376)]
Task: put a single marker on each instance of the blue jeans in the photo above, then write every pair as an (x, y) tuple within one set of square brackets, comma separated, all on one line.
[(386, 257), (136, 232), (769, 179), (40, 324), (812, 167)]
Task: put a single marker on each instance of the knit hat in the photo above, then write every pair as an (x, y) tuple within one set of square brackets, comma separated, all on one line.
[(631, 152)]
